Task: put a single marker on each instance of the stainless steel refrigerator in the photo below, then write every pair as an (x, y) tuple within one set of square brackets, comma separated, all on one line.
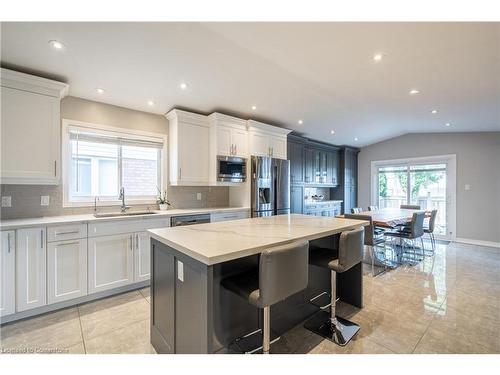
[(270, 181)]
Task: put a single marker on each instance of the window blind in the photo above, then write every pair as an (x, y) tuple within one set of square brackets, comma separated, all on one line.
[(87, 135)]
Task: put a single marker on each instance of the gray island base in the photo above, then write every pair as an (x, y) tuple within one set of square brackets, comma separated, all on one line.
[(191, 312)]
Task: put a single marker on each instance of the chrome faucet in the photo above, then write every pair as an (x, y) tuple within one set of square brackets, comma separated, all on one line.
[(122, 197)]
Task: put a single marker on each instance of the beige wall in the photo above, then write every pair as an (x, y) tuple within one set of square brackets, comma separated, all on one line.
[(478, 164), (26, 198)]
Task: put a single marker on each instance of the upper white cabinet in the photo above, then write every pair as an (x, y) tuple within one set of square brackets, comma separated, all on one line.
[(188, 148), (31, 258), (229, 135), (267, 140), (8, 273), (31, 129)]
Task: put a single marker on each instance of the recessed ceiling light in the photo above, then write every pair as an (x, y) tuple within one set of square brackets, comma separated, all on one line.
[(254, 107), (434, 111), (332, 131), (414, 92), (99, 90), (447, 124), (183, 86), (378, 57), (151, 103), (300, 122), (356, 139), (56, 44)]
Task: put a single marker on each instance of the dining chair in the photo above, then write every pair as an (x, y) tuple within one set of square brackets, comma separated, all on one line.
[(411, 233), (372, 208), (356, 210), (372, 242), (430, 229), (410, 206)]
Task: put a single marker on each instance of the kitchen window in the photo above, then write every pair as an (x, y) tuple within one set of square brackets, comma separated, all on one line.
[(99, 160)]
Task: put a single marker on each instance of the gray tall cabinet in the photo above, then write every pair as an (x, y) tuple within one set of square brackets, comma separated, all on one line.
[(318, 164)]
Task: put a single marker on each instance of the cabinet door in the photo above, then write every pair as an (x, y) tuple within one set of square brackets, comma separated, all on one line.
[(259, 143), (351, 167), (332, 167), (296, 200), (278, 146), (110, 262), (192, 149), (224, 143), (30, 142), (296, 157), (323, 166), (31, 262), (141, 256), (240, 141), (66, 270), (309, 165), (8, 273)]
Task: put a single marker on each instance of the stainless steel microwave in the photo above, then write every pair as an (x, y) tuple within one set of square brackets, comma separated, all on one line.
[(231, 169)]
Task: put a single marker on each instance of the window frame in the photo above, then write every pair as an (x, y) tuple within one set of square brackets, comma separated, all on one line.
[(66, 156)]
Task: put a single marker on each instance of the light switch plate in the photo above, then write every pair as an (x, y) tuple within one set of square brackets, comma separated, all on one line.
[(6, 201), (467, 187), (180, 270), (198, 196), (44, 200)]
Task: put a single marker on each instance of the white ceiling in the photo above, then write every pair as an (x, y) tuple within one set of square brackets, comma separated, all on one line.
[(323, 73)]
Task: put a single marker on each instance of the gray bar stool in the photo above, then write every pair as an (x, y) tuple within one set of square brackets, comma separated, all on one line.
[(330, 326), (283, 271)]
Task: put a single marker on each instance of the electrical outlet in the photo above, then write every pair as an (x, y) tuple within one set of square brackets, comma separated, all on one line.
[(44, 200), (467, 187), (198, 196), (6, 201)]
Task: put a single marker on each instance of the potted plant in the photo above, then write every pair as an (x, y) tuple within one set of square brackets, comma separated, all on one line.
[(162, 200)]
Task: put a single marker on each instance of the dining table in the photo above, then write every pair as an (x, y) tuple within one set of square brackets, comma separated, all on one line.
[(390, 217)]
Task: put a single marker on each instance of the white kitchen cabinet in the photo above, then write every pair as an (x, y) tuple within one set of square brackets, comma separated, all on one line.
[(31, 261), (141, 256), (8, 273), (30, 116), (110, 262), (267, 140), (188, 148), (229, 215), (229, 136), (66, 270)]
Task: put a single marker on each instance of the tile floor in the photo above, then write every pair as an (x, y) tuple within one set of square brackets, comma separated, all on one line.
[(449, 303)]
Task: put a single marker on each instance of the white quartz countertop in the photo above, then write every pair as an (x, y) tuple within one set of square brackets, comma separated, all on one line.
[(214, 243), (69, 219)]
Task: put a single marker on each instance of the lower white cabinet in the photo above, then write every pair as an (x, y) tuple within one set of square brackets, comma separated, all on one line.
[(141, 256), (231, 215), (8, 273), (31, 271), (66, 270), (110, 262)]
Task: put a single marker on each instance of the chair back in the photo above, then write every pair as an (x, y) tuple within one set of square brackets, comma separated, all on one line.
[(350, 249), (372, 208), (432, 220), (410, 206), (369, 229), (283, 271), (417, 224), (356, 210)]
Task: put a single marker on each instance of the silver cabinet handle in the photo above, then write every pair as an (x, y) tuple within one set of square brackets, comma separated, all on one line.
[(8, 242), (131, 242), (235, 149), (180, 173), (71, 232), (137, 242), (41, 238)]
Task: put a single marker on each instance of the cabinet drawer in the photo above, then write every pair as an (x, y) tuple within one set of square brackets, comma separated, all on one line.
[(126, 226), (225, 216), (66, 232)]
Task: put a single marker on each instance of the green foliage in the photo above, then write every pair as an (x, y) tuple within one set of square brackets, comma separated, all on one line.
[(382, 185), (420, 179)]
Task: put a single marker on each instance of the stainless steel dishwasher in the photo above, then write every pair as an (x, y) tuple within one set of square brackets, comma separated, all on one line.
[(178, 221)]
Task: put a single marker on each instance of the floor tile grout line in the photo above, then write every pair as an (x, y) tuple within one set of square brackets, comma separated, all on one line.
[(81, 328), (116, 329)]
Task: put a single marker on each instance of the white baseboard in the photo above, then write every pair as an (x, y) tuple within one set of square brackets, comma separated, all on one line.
[(478, 242)]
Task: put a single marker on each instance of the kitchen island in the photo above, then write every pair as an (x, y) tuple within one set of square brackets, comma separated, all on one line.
[(192, 313)]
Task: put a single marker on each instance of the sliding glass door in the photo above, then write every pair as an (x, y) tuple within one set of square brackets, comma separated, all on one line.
[(415, 183)]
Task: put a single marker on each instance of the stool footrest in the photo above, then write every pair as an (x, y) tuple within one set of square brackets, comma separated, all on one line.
[(252, 342), (322, 301)]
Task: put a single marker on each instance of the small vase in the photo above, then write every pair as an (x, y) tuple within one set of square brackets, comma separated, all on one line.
[(163, 207)]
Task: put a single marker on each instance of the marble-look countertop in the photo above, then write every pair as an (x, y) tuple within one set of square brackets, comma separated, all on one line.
[(71, 219), (214, 243)]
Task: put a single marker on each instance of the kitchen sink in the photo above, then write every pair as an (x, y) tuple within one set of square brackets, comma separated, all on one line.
[(119, 214)]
